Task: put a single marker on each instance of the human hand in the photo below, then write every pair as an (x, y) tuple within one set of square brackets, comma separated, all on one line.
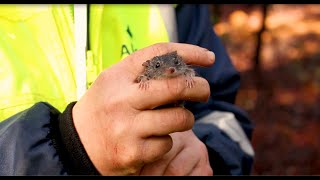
[(118, 123), (187, 157)]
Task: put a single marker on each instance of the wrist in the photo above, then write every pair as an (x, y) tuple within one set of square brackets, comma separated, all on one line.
[(72, 152)]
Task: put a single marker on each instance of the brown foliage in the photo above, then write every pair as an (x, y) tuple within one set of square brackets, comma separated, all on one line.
[(283, 98)]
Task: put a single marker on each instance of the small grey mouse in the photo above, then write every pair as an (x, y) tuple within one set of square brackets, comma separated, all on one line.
[(165, 66)]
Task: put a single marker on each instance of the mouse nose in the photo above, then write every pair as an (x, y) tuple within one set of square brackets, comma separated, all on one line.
[(172, 70)]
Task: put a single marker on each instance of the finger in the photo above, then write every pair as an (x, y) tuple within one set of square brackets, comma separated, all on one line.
[(187, 158), (191, 54), (166, 91), (158, 167), (156, 147), (165, 121), (201, 170)]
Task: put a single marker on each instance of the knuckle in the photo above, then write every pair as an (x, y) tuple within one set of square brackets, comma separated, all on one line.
[(103, 76), (130, 159), (120, 129), (160, 48), (160, 45), (183, 118)]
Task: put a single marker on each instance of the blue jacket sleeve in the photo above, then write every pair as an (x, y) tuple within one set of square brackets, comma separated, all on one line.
[(226, 156), (26, 146), (42, 141)]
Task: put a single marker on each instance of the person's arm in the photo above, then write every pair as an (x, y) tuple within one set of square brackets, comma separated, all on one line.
[(42, 141), (114, 129), (220, 124)]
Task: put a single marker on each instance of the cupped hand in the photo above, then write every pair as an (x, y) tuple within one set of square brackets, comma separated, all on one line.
[(119, 124), (187, 157)]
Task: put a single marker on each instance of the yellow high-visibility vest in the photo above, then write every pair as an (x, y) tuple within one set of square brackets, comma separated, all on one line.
[(37, 49)]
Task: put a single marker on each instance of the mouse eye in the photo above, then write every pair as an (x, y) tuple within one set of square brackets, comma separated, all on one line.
[(176, 62), (157, 64)]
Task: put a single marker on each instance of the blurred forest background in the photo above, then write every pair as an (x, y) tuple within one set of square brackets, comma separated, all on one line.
[(276, 49)]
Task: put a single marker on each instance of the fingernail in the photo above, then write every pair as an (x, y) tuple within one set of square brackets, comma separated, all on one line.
[(211, 56)]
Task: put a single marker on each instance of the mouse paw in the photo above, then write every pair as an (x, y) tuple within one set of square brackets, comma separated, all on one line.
[(144, 85), (190, 82), (143, 82)]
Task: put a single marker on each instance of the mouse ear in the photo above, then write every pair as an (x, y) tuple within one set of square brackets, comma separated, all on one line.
[(146, 64), (173, 53)]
